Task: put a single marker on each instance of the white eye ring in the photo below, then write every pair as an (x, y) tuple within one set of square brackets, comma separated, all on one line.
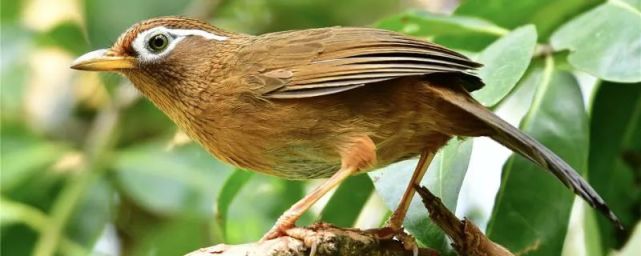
[(148, 55)]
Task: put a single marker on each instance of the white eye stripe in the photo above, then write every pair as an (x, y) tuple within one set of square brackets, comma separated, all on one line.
[(174, 36), (196, 32)]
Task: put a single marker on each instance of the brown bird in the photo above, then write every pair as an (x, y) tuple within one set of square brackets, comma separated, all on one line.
[(316, 103)]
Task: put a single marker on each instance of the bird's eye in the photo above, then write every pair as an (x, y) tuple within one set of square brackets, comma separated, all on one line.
[(158, 42)]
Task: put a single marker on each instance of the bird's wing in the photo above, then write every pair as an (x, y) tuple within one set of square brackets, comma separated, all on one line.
[(315, 62)]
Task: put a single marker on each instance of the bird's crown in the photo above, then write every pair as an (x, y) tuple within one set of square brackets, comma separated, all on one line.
[(153, 37)]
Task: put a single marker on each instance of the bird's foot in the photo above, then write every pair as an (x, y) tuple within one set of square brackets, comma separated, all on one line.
[(408, 241), (279, 229)]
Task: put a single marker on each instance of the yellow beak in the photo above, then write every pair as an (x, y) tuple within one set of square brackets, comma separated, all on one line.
[(101, 60)]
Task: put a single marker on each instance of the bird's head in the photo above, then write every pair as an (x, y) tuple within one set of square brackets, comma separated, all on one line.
[(169, 59)]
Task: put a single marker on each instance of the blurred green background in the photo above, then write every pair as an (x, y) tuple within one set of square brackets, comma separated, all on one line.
[(89, 167)]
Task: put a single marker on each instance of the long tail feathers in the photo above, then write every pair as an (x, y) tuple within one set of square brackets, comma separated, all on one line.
[(536, 152), (523, 144)]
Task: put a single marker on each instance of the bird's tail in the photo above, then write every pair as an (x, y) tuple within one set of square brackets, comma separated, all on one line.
[(519, 142)]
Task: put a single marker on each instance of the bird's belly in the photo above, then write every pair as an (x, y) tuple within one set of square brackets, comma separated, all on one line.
[(301, 139), (308, 163), (303, 169), (299, 168)]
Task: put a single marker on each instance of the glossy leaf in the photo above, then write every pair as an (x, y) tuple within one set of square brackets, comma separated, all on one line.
[(97, 202), (634, 3), (346, 203), (452, 31), (532, 207), (228, 192), (547, 15), (257, 206), (615, 136), (184, 180), (632, 247), (425, 24), (444, 178), (605, 41), (505, 61), (592, 236)]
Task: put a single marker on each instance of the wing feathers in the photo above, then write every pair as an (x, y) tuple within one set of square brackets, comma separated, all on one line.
[(318, 62)]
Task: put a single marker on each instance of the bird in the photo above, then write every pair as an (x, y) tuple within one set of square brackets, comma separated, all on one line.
[(316, 103)]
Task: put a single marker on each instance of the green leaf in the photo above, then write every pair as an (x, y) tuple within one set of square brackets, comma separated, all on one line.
[(185, 180), (615, 151), (605, 41), (634, 3), (143, 120), (257, 206), (11, 10), (458, 32), (425, 24), (67, 35), (505, 61), (177, 236), (97, 202), (547, 15), (17, 43), (16, 212), (632, 247), (592, 237), (25, 155), (260, 16), (348, 201), (444, 178), (532, 207), (228, 192)]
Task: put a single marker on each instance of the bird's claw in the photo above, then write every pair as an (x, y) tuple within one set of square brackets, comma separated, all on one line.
[(276, 231), (408, 241)]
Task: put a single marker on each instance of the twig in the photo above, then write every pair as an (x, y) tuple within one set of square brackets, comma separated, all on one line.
[(467, 238)]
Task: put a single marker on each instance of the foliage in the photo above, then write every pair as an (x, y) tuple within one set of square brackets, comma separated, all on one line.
[(86, 162)]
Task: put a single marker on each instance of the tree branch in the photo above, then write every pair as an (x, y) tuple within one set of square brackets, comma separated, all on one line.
[(319, 239), (467, 238), (324, 239)]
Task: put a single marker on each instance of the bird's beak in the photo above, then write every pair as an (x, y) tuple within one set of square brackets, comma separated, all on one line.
[(103, 60)]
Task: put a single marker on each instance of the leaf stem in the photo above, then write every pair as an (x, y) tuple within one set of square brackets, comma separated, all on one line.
[(540, 92)]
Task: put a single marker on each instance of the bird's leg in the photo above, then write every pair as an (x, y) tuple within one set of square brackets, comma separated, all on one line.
[(395, 222), (289, 217), (360, 153)]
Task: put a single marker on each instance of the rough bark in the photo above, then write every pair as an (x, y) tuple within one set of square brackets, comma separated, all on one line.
[(320, 239), (467, 238)]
